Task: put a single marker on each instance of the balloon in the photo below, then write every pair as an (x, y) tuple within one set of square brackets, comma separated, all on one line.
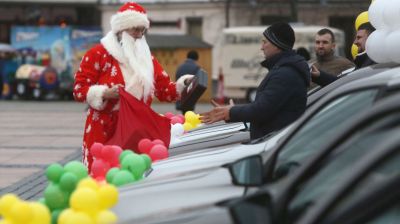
[(124, 153), (88, 183), (158, 142), (176, 120), (6, 202), (55, 197), (68, 182), (123, 177), (147, 160), (177, 130), (111, 173), (187, 126), (54, 172), (354, 50), (41, 214), (374, 47), (158, 152), (169, 115), (76, 168), (145, 145), (361, 18), (106, 217), (392, 45), (108, 196), (85, 200), (192, 118), (79, 217), (391, 13), (375, 14), (54, 215), (21, 212), (99, 168), (107, 152), (135, 164), (114, 162), (96, 149)]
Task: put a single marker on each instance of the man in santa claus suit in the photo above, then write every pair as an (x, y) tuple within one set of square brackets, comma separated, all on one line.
[(123, 59)]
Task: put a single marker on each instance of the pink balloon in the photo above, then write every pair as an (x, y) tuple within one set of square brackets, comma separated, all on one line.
[(114, 162), (158, 142), (96, 149), (158, 152), (145, 145), (99, 168), (107, 153), (176, 119), (182, 117), (169, 115)]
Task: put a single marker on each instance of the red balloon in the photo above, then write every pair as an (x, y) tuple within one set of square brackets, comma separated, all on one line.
[(114, 162), (145, 145), (175, 120), (182, 118), (99, 168), (107, 153), (169, 115), (158, 152), (158, 142), (96, 149)]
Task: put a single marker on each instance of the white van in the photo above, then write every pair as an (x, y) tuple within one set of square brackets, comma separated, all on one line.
[(241, 56)]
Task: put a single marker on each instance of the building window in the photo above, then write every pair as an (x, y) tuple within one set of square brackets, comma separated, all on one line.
[(194, 27)]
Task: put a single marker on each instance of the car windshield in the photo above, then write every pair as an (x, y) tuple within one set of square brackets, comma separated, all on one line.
[(331, 174), (321, 128)]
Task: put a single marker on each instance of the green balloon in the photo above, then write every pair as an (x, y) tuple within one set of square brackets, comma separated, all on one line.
[(54, 172), (134, 164), (55, 198), (147, 160), (54, 215), (76, 168), (123, 177), (42, 201), (68, 182), (124, 153), (111, 173)]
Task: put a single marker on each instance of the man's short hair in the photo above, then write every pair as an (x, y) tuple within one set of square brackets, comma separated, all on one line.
[(327, 31), (193, 55), (366, 26)]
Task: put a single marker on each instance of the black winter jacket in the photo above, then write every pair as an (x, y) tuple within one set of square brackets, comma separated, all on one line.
[(281, 96)]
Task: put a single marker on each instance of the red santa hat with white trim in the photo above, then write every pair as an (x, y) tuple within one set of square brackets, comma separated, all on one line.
[(129, 15)]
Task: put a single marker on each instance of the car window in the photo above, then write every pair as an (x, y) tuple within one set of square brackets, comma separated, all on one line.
[(331, 174), (322, 127)]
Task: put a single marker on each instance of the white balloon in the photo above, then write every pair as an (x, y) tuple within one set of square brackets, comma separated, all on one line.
[(375, 14), (391, 14), (392, 46), (177, 130), (375, 46)]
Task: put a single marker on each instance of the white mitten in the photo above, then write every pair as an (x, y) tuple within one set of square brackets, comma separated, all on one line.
[(182, 82)]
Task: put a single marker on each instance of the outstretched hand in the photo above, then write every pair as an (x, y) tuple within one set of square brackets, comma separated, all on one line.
[(315, 73), (218, 113)]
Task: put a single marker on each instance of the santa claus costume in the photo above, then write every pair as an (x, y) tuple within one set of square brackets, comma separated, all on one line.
[(123, 61)]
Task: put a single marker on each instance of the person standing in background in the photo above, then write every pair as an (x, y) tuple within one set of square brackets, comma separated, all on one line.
[(189, 66)]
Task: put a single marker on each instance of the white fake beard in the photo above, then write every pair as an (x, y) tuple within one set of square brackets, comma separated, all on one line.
[(138, 53)]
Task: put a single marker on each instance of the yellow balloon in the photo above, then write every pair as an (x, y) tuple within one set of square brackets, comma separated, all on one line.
[(21, 212), (187, 126), (192, 118), (85, 199), (108, 196), (106, 217), (5, 221), (88, 183), (41, 214), (6, 202), (361, 18), (64, 216), (79, 217), (354, 50)]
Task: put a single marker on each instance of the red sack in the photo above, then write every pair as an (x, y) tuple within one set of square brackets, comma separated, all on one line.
[(136, 121)]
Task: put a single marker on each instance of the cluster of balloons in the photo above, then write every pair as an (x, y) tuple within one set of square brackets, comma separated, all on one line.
[(156, 149), (192, 120), (62, 182), (182, 123), (16, 211), (90, 203), (383, 44), (132, 168), (117, 166)]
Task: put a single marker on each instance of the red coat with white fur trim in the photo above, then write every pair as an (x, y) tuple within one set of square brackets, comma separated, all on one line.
[(98, 71)]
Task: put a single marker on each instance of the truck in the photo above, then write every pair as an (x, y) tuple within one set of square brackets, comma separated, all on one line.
[(242, 55), (48, 58)]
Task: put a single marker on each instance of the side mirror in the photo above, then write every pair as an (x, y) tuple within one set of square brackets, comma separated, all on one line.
[(247, 171)]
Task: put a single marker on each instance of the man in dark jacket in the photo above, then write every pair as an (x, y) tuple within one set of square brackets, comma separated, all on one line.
[(281, 96), (189, 66)]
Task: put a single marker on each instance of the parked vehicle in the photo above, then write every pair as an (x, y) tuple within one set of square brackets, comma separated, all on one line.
[(326, 119), (241, 56)]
